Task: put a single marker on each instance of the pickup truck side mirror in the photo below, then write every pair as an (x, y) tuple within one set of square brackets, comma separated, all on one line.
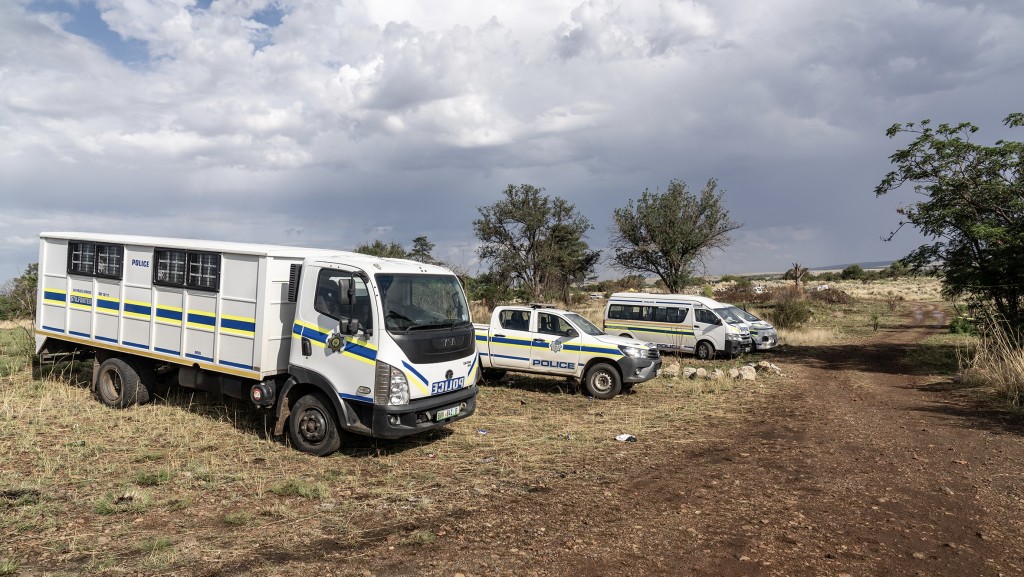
[(572, 333)]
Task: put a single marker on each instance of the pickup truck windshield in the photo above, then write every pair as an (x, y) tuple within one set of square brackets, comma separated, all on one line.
[(422, 302), (583, 324), (747, 317)]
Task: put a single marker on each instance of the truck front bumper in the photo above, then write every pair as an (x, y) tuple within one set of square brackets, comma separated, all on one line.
[(393, 422), (639, 370)]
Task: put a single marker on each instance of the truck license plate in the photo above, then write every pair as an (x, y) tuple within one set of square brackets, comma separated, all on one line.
[(447, 413)]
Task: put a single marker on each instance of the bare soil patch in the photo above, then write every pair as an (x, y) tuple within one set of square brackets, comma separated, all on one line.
[(855, 462)]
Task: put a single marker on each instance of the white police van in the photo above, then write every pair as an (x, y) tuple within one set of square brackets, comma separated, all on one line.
[(684, 323), (329, 340)]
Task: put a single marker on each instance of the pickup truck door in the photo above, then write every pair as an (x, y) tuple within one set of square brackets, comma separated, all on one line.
[(556, 345), (510, 339)]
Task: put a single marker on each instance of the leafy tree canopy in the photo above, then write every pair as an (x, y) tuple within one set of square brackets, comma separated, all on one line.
[(535, 241), (667, 234), (382, 249), (971, 209)]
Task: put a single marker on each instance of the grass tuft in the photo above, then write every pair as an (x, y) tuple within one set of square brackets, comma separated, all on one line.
[(299, 488)]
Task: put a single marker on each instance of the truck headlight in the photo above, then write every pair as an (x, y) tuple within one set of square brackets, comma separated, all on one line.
[(391, 387), (733, 337), (634, 352)]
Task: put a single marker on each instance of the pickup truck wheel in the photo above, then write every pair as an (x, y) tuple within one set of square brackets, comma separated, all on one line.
[(312, 426), (493, 375), (705, 351), (118, 384), (602, 381)]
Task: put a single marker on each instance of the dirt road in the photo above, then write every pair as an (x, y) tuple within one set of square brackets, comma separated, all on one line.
[(859, 465)]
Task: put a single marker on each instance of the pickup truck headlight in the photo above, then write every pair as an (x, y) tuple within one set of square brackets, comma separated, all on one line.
[(634, 352), (391, 387)]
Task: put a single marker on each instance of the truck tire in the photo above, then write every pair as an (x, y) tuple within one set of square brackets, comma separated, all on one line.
[(493, 375), (705, 351), (313, 426), (118, 384), (602, 381)]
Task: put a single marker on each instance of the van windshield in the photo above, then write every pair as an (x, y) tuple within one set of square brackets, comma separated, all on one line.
[(729, 315), (584, 324), (747, 317), (422, 302)]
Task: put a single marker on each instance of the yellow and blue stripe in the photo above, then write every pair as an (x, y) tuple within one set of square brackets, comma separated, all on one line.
[(55, 297), (360, 350), (241, 326)]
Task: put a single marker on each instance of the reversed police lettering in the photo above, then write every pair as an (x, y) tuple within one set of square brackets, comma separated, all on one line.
[(554, 364), (448, 385)]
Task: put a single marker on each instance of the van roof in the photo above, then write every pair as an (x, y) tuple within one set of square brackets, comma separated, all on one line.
[(369, 262), (664, 299)]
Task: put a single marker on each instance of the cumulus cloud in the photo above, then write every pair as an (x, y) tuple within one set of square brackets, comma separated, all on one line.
[(261, 119)]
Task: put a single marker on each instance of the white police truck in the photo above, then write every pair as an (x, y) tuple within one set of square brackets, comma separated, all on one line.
[(329, 340), (545, 340)]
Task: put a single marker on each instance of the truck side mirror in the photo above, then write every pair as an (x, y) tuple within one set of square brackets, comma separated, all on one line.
[(346, 291), (349, 327), (572, 333)]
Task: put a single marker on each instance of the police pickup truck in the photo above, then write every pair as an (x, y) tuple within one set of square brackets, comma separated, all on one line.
[(545, 340)]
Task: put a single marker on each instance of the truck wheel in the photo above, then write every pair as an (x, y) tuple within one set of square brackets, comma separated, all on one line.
[(705, 351), (602, 381), (312, 426), (118, 384), (493, 375)]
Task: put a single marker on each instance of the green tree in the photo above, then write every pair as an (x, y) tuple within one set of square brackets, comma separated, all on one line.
[(18, 295), (972, 209), (421, 249), (668, 233), (535, 241), (852, 272), (382, 249)]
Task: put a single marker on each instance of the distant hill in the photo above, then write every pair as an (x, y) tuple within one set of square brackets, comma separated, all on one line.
[(864, 265)]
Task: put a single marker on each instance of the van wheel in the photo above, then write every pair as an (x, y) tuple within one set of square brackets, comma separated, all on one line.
[(118, 384), (705, 351), (312, 426), (602, 381)]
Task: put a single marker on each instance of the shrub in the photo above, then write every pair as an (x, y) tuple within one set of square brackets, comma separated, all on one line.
[(831, 296), (962, 326), (790, 311)]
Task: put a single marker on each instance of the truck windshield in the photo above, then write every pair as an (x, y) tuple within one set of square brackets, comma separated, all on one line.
[(583, 324), (422, 302), (729, 315)]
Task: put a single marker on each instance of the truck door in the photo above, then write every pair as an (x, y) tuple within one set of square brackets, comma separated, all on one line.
[(511, 339), (552, 340), (320, 340)]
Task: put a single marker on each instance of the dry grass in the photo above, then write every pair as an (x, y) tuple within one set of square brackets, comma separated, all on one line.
[(175, 485), (998, 361)]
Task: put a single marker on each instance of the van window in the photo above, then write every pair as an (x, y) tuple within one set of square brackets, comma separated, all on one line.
[(706, 317), (669, 314)]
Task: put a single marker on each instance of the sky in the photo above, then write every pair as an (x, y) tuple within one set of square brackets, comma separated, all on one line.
[(332, 123)]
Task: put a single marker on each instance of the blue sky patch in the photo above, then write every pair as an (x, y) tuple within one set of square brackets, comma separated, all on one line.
[(86, 21)]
